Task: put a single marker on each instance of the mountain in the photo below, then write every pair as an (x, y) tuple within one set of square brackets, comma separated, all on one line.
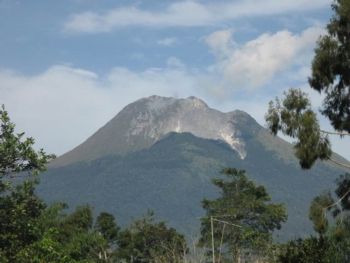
[(142, 123), (162, 153)]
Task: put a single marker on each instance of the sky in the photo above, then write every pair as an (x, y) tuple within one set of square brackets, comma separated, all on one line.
[(67, 67)]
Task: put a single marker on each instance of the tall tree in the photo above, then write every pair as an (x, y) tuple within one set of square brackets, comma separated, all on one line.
[(31, 232), (293, 114), (242, 218), (331, 67), (105, 224), (294, 117), (19, 206), (330, 76)]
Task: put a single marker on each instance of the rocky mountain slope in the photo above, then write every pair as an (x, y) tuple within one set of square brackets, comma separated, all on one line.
[(142, 123), (162, 153)]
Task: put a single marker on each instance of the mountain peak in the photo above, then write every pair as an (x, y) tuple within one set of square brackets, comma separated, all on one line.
[(197, 102), (144, 122), (156, 102)]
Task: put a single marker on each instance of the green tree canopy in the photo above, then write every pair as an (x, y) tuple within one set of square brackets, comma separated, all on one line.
[(324, 206), (331, 221), (19, 206), (331, 67), (105, 224), (330, 76), (17, 153), (244, 215), (31, 232), (294, 117), (149, 241)]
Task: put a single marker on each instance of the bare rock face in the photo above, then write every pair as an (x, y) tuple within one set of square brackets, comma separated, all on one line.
[(165, 115), (142, 123)]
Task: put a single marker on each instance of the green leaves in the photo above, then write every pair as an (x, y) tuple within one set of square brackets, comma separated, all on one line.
[(331, 76), (331, 67), (30, 232), (296, 119), (149, 241), (16, 153), (19, 212), (333, 242), (107, 227), (318, 212), (244, 204)]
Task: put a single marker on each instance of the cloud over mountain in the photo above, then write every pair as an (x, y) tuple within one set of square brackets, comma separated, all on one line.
[(257, 61)]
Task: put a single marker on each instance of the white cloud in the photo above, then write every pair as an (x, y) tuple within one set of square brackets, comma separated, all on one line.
[(257, 61), (186, 13), (220, 42), (167, 42), (62, 106)]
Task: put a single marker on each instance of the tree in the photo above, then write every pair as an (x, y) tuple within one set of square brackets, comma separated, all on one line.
[(149, 241), (306, 250), (19, 213), (332, 243), (294, 117), (64, 238), (325, 202), (330, 76), (331, 67), (317, 212), (31, 231), (19, 206), (244, 216), (17, 154), (105, 224)]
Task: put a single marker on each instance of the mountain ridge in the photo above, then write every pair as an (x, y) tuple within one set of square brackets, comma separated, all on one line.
[(142, 123), (175, 169)]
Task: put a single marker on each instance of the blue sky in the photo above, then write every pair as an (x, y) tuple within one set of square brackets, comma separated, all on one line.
[(69, 66)]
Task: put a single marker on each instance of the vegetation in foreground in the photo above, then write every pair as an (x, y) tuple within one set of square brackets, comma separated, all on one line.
[(31, 231), (295, 117), (237, 227)]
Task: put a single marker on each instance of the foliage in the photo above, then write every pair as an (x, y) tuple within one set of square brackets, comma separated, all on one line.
[(19, 212), (149, 241), (59, 238), (325, 203), (30, 231), (19, 206), (331, 67), (310, 250), (246, 212), (331, 221), (106, 226), (16, 153), (295, 118), (331, 76), (333, 247), (317, 213)]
